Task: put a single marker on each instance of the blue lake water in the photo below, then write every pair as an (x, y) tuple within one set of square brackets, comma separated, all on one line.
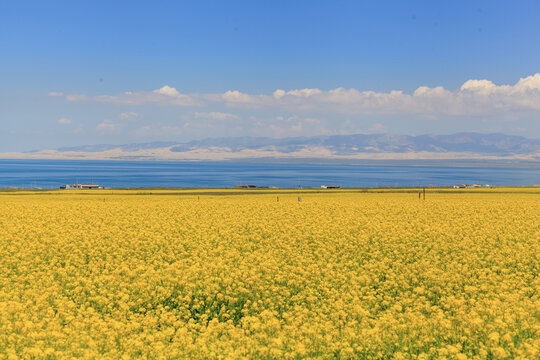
[(53, 173)]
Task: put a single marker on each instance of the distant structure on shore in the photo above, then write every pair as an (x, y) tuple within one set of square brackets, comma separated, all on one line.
[(467, 186), (81, 186), (245, 186), (330, 187)]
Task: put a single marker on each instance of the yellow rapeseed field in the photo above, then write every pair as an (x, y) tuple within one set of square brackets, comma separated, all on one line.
[(337, 275)]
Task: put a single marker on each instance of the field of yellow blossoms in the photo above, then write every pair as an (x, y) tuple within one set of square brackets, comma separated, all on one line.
[(344, 274)]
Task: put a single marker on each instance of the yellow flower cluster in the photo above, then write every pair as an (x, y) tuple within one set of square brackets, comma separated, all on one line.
[(337, 275)]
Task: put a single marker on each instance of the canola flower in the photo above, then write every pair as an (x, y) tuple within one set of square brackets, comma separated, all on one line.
[(339, 275)]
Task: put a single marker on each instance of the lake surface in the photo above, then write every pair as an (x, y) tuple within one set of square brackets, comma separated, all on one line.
[(53, 173)]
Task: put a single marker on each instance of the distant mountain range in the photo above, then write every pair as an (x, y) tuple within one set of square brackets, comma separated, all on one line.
[(359, 146)]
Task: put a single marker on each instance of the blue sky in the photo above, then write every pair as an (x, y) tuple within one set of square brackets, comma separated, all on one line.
[(87, 72)]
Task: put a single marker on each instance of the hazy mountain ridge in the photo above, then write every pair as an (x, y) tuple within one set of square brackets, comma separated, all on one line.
[(126, 147), (495, 144), (357, 146)]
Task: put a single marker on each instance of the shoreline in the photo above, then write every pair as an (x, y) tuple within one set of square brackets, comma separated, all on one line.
[(534, 189)]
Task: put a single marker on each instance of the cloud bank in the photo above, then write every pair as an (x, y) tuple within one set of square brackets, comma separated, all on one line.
[(474, 97), (64, 121), (165, 96), (214, 115)]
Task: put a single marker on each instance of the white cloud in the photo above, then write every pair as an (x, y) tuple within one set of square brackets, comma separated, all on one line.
[(129, 115), (107, 126), (64, 121), (167, 90), (55, 93), (213, 115), (485, 86), (529, 83), (235, 96), (300, 93)]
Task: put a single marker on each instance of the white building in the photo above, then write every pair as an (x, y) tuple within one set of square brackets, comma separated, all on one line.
[(81, 186)]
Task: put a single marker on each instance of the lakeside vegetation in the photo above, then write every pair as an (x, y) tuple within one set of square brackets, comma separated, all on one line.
[(348, 273)]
